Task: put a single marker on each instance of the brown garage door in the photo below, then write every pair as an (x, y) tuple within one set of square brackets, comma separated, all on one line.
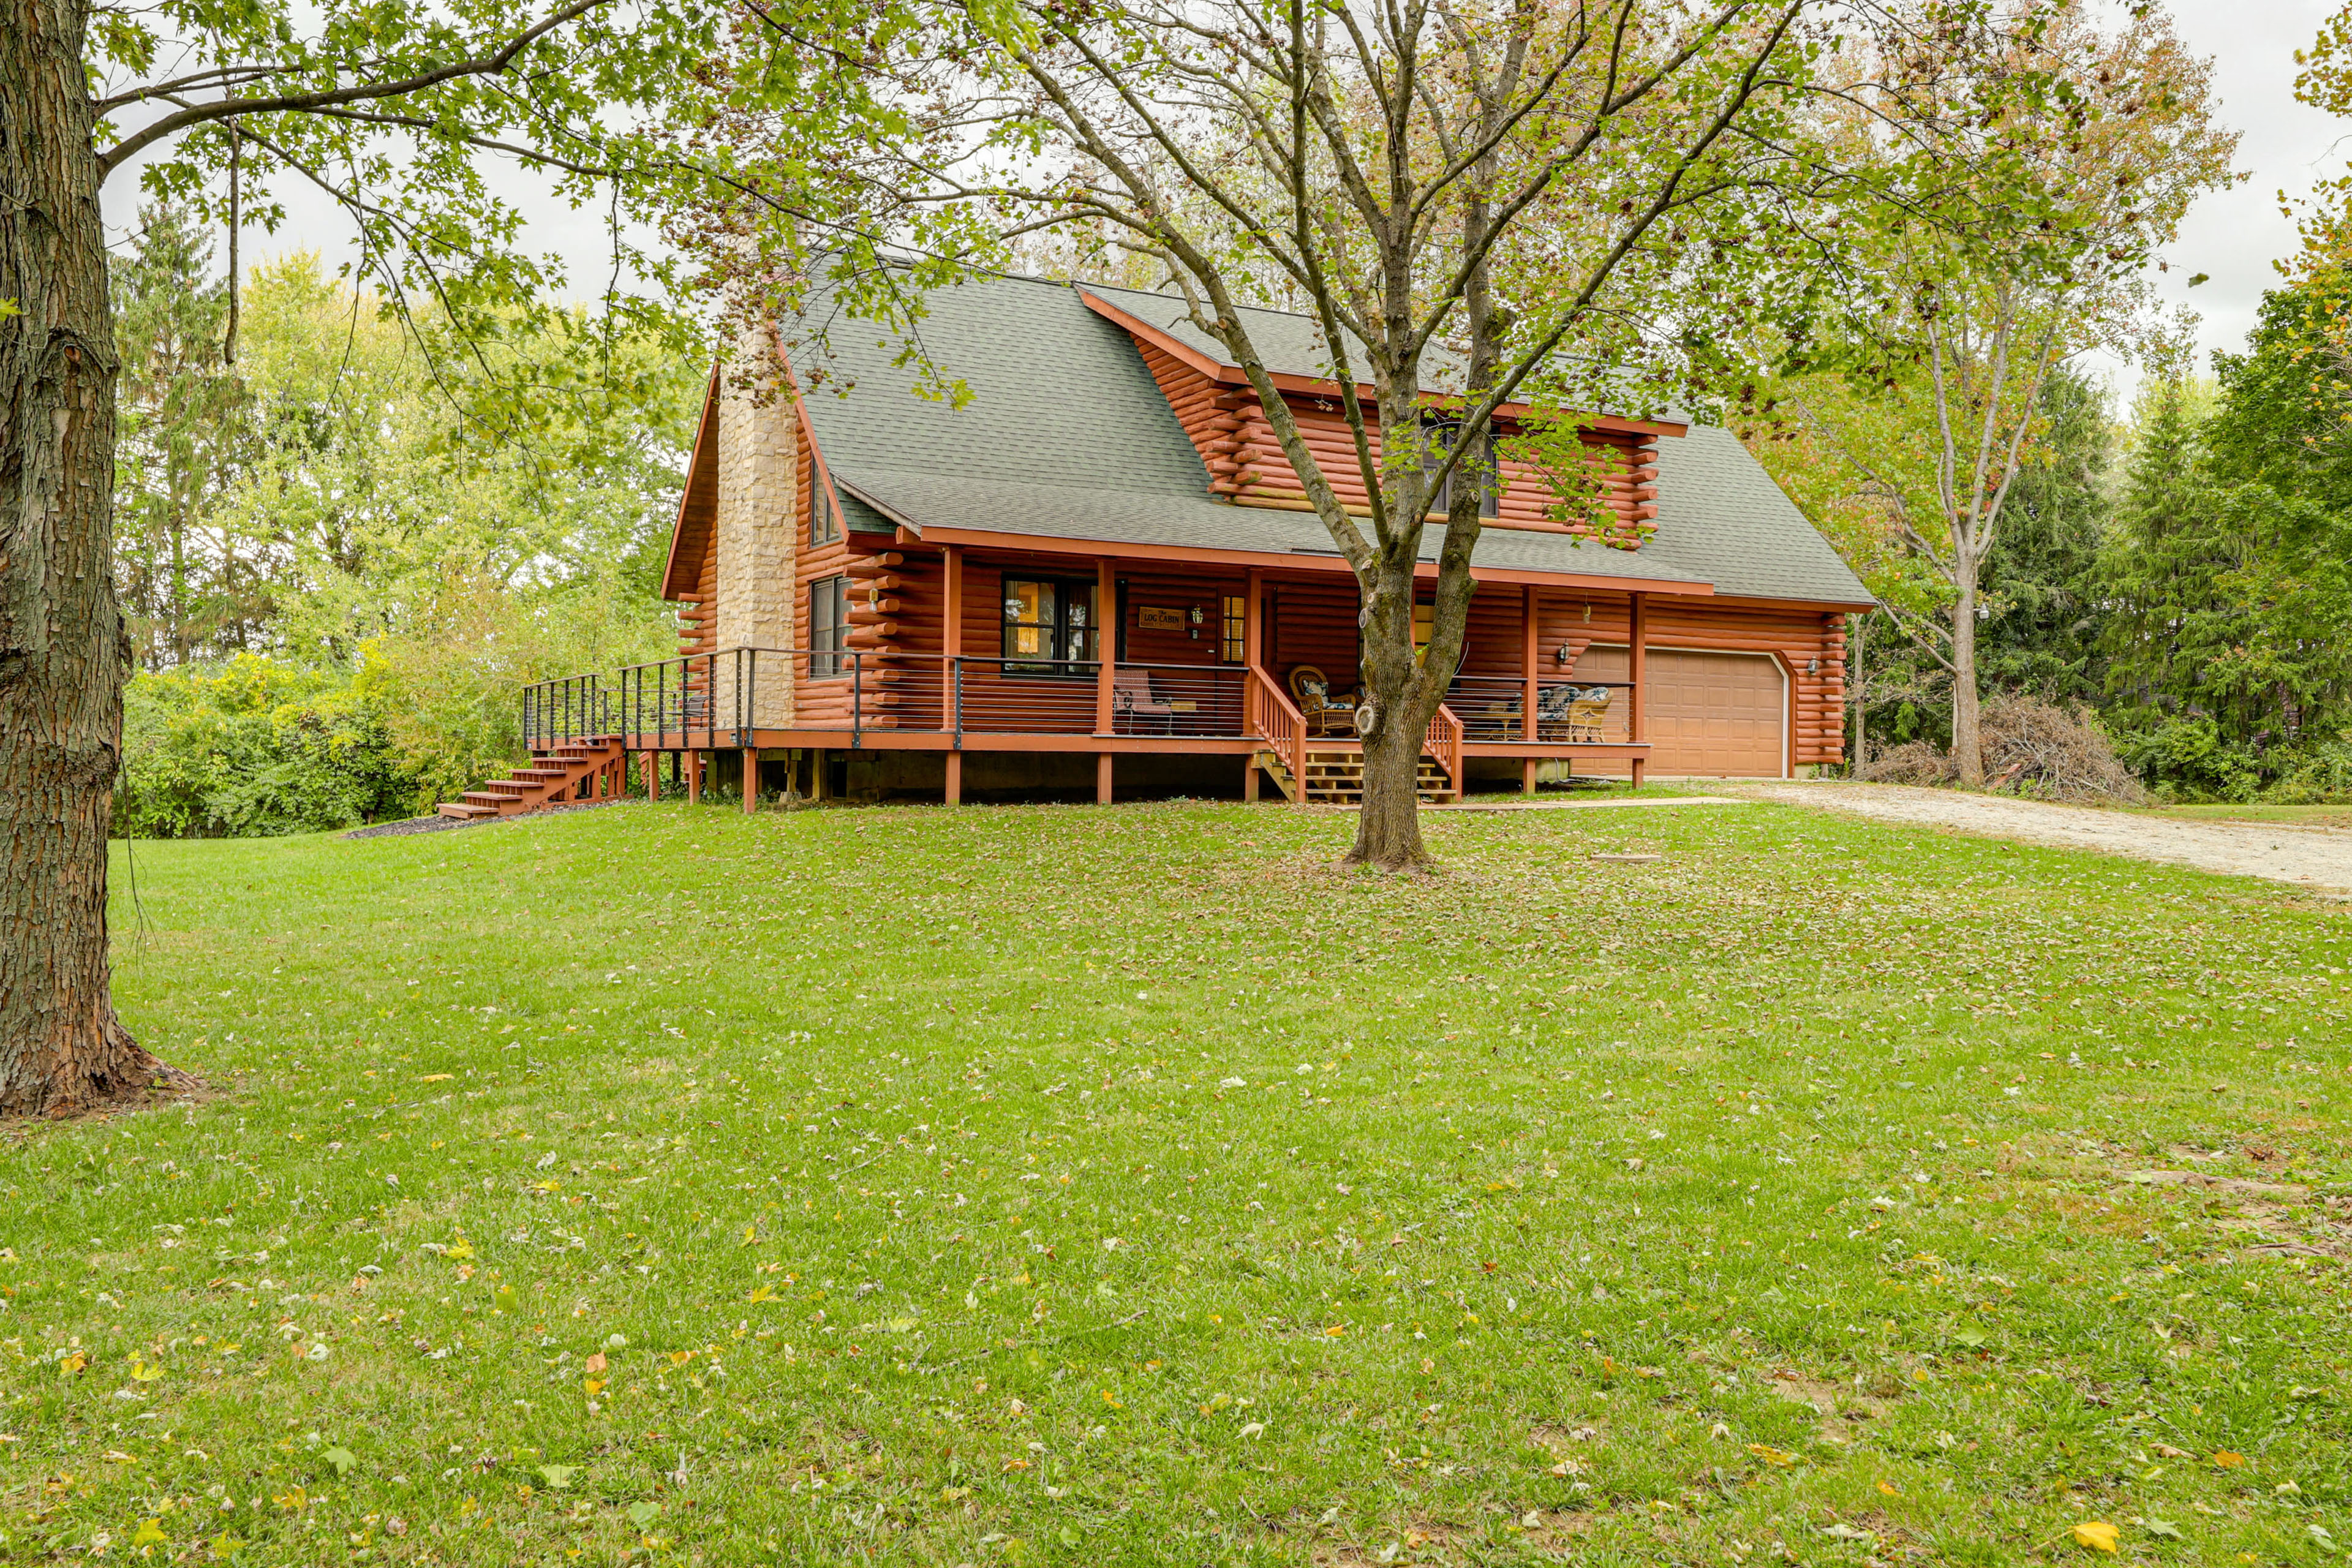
[(1717, 714)]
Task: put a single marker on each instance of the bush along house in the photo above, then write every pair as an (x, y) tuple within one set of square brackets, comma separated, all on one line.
[(1099, 575)]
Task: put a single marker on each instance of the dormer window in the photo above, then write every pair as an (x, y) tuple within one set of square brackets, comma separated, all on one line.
[(823, 521), (1441, 431)]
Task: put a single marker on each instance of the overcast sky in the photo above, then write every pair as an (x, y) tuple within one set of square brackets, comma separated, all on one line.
[(2234, 235)]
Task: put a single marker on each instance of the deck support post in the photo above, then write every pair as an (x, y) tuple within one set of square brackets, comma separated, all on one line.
[(955, 778), (1637, 659), (750, 780), (1527, 775), (820, 773), (650, 762), (1249, 777), (1102, 778), (691, 762)]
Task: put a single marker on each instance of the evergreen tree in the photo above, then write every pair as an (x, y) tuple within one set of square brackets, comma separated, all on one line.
[(189, 586), (2041, 578), (2229, 601)]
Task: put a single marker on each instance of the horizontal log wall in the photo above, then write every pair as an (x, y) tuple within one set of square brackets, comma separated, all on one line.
[(1236, 442)]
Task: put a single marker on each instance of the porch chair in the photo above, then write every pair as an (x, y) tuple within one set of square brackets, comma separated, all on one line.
[(1131, 698), (1588, 714), (1325, 714)]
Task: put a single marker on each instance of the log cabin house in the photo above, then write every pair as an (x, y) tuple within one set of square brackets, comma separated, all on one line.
[(1101, 574)]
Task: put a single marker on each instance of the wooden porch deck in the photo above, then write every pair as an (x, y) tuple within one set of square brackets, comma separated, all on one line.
[(794, 706)]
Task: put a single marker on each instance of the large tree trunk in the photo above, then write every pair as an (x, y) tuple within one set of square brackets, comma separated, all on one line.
[(1968, 741), (62, 642), (1387, 828)]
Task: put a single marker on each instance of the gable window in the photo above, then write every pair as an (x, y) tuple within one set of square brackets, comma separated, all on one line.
[(1049, 626), (1479, 466), (828, 626), (1235, 648), (824, 521)]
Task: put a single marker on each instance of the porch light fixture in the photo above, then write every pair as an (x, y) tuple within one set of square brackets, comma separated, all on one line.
[(1559, 656), (1813, 667), (1199, 615)]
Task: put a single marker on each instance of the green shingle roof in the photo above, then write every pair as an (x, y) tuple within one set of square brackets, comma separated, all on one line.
[(1064, 434)]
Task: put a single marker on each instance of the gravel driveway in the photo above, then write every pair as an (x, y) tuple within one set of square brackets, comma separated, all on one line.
[(2317, 859)]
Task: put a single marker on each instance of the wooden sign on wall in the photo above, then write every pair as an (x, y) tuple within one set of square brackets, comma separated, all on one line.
[(1153, 619)]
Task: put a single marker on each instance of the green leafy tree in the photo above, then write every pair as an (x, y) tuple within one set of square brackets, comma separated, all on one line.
[(2035, 162), (394, 111)]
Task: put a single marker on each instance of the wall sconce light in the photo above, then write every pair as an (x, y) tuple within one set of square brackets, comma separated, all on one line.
[(1559, 656), (1813, 667), (1199, 615)]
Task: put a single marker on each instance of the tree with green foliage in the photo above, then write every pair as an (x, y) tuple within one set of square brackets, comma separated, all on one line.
[(2229, 578), (2038, 161), (395, 112)]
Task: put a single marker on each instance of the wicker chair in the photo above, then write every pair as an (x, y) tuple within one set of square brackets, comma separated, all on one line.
[(1325, 714)]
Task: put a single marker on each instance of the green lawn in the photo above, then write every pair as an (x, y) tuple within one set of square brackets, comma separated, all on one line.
[(1096, 1187)]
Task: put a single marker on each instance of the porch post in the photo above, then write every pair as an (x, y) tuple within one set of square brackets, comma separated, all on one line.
[(951, 564), (951, 668), (1106, 650), (750, 780), (820, 773), (692, 762), (1636, 670), (651, 762), (1528, 630), (1249, 777), (1249, 618), (1102, 778)]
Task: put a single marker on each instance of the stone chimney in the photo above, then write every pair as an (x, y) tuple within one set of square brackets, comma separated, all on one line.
[(756, 530)]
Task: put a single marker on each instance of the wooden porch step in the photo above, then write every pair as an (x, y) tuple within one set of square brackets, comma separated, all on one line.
[(554, 773)]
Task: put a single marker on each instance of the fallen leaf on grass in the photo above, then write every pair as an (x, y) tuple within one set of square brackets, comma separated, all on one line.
[(2165, 1528), (594, 1364), (2226, 1461), (1771, 1455), (2097, 1534)]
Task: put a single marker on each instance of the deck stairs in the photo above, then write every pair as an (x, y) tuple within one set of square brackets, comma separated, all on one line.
[(586, 768), (1335, 777)]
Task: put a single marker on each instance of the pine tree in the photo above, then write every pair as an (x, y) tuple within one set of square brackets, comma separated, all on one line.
[(187, 587)]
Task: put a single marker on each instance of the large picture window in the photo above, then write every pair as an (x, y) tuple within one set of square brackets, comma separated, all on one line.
[(1049, 626), (828, 626)]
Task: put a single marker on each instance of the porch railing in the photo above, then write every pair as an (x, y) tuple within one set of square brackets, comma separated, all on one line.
[(1272, 714), (1494, 708), (569, 708), (715, 699), (1442, 740), (721, 699)]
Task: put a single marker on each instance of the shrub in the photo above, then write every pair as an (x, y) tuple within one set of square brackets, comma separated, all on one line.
[(2318, 775), (2186, 757), (253, 747)]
